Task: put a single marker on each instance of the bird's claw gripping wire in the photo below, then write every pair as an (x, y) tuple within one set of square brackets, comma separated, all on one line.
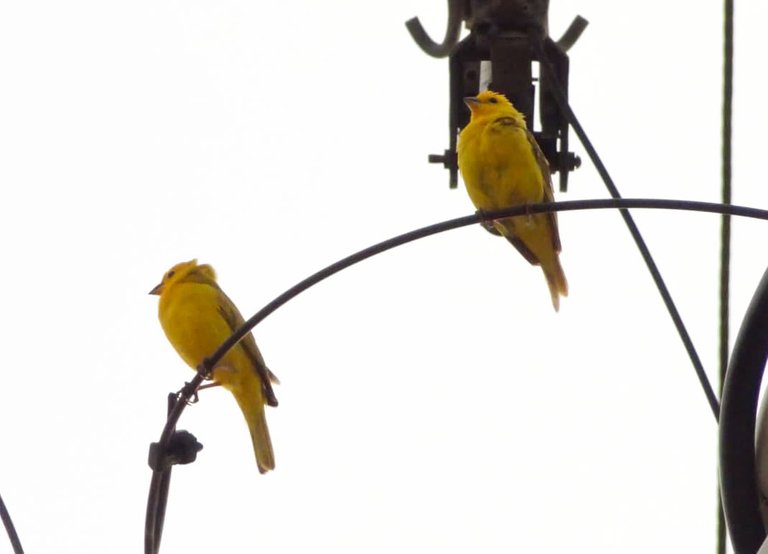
[(487, 224), (188, 394), (205, 370), (189, 391), (528, 214), (182, 448)]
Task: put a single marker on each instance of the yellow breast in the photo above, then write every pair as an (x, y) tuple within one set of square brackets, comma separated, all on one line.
[(498, 165), (190, 318)]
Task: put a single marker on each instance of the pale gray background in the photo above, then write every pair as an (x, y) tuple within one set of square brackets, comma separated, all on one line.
[(432, 401)]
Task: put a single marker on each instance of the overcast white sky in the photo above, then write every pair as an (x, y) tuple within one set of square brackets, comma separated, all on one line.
[(431, 400)]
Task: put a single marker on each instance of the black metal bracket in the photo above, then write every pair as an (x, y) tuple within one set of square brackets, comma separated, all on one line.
[(182, 449), (497, 55)]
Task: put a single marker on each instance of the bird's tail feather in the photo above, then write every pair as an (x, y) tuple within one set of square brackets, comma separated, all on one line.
[(252, 405), (534, 240), (558, 285)]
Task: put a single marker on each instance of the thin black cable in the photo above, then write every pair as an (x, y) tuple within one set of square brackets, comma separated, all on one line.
[(10, 529), (158, 490), (725, 230), (208, 364), (158, 499), (156, 503), (205, 368), (630, 222)]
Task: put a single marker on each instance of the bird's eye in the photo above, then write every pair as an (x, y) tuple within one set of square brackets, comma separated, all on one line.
[(170, 274), (493, 100)]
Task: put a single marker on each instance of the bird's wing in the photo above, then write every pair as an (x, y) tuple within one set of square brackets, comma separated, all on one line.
[(505, 122), (523, 249), (234, 320), (549, 195)]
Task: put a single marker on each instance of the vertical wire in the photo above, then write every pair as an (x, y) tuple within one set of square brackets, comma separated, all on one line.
[(562, 102), (725, 229)]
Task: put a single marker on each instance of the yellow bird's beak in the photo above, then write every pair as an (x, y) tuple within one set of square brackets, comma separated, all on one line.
[(471, 101), (157, 290)]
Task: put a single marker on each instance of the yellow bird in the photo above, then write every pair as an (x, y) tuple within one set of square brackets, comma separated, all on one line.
[(502, 166), (197, 318)]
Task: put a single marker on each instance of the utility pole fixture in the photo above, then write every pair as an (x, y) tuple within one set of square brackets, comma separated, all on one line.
[(497, 55)]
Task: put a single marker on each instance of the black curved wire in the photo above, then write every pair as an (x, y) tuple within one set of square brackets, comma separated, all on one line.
[(156, 504), (452, 32), (205, 368), (738, 416), (562, 102), (13, 537), (158, 499)]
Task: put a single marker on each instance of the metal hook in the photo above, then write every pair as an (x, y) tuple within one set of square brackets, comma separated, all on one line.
[(572, 33), (452, 32)]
